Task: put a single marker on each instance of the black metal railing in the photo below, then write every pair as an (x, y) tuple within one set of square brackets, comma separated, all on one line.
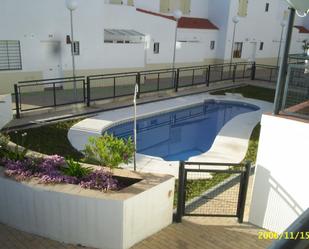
[(266, 72), (37, 94), (295, 100), (220, 189)]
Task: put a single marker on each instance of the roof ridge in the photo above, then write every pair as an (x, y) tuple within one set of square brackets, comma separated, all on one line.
[(185, 21)]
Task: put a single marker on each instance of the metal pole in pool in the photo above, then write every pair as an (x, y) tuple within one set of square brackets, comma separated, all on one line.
[(135, 126)]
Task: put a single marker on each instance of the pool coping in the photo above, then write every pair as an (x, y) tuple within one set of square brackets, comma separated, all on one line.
[(227, 147)]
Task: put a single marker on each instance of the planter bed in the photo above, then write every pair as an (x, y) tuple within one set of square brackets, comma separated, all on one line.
[(71, 214)]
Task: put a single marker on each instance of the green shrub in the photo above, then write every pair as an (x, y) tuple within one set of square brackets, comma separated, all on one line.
[(17, 153), (75, 169), (109, 151)]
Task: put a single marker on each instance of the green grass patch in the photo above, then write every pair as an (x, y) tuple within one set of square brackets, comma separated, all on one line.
[(49, 139), (252, 92)]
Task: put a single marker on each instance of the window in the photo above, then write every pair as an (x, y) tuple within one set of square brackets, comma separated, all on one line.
[(242, 8), (261, 45), (237, 50), (267, 7), (156, 48), (76, 47), (115, 2), (10, 58), (212, 45)]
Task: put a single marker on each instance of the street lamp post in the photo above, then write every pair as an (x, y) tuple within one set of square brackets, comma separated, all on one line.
[(282, 24), (235, 21), (177, 15), (71, 6), (136, 90)]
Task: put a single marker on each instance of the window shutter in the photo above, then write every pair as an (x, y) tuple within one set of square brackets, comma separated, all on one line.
[(115, 1), (243, 8), (165, 6), (185, 6)]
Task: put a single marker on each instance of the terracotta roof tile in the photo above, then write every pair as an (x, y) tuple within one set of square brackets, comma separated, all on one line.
[(186, 22), (302, 29)]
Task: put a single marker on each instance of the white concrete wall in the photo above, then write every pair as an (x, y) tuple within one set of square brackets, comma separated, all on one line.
[(6, 114), (196, 51), (199, 8), (68, 214), (258, 26), (152, 5), (142, 210), (281, 178), (38, 21), (124, 55), (218, 13)]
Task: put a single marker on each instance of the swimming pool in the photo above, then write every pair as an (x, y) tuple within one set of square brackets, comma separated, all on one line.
[(182, 133)]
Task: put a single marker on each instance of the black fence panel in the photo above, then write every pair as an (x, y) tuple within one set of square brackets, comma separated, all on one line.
[(37, 94), (266, 73), (212, 189)]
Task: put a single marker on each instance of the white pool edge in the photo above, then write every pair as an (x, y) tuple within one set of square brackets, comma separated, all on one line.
[(230, 145)]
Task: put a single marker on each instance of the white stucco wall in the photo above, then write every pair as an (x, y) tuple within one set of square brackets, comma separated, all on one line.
[(218, 13), (152, 5), (6, 114), (281, 178), (199, 8), (69, 214), (37, 22), (258, 26)]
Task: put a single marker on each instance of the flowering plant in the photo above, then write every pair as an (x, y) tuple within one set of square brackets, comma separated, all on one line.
[(49, 170), (109, 151)]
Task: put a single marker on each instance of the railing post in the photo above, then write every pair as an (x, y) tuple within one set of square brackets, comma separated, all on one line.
[(176, 78), (234, 72), (138, 81), (243, 192), (253, 68), (208, 75), (114, 87), (181, 192), (54, 94), (17, 101), (84, 90), (193, 75), (271, 74), (88, 91)]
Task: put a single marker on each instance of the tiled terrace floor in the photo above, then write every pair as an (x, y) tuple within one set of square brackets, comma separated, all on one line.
[(204, 233)]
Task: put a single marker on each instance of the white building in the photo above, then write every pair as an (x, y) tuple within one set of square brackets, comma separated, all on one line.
[(133, 35)]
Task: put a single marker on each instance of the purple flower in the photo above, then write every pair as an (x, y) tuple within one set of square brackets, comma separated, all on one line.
[(48, 171), (100, 180)]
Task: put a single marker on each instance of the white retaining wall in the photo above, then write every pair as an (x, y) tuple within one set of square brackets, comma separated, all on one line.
[(69, 214), (281, 179), (6, 113)]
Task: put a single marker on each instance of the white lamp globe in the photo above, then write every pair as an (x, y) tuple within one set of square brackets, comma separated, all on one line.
[(282, 24), (71, 4), (235, 19), (177, 14)]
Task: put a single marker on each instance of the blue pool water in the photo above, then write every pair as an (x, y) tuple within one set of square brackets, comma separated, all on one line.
[(183, 133)]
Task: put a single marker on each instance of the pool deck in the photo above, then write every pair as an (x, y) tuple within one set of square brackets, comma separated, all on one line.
[(230, 145)]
